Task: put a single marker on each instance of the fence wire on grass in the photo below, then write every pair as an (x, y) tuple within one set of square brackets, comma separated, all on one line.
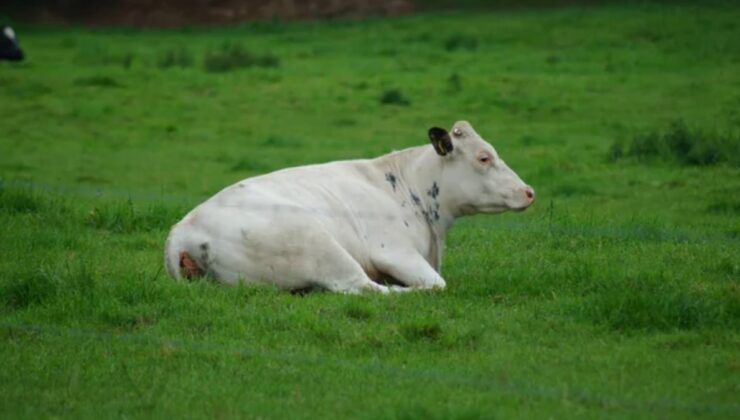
[(503, 383), (649, 232)]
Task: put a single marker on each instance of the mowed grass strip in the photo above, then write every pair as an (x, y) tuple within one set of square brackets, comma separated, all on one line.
[(616, 295)]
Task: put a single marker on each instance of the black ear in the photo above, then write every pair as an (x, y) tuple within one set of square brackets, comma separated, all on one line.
[(440, 140)]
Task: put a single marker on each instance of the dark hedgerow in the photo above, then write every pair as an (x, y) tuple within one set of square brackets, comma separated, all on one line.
[(681, 145), (230, 57)]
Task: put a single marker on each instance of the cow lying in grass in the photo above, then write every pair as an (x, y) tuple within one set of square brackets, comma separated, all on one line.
[(9, 48), (347, 226)]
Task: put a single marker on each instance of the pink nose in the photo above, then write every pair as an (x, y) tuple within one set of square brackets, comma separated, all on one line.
[(530, 193)]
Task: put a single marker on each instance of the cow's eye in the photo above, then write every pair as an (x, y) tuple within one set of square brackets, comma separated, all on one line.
[(485, 158)]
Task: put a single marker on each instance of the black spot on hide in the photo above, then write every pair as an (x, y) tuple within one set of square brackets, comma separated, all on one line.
[(416, 199), (434, 190), (391, 179)]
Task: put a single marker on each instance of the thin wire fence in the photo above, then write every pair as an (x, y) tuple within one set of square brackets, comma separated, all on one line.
[(491, 383)]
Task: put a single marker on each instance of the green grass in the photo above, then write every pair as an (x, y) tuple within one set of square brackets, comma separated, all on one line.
[(175, 57), (682, 145), (616, 295), (231, 57)]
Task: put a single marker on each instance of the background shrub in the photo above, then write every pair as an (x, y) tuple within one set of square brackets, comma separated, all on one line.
[(680, 144), (230, 57)]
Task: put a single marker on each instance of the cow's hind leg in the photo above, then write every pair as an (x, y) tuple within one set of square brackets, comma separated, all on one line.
[(409, 268), (354, 286), (360, 284), (329, 266), (288, 252), (337, 271), (295, 256), (313, 257)]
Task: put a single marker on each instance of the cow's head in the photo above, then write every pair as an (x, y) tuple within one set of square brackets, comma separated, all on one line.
[(474, 177)]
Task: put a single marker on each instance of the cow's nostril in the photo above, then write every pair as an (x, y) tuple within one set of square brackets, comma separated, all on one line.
[(529, 192)]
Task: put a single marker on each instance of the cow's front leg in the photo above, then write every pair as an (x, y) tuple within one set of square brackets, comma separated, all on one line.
[(409, 268)]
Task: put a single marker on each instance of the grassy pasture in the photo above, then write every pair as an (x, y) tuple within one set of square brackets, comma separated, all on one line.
[(616, 295)]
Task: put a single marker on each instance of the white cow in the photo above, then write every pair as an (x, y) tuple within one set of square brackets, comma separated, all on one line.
[(347, 226)]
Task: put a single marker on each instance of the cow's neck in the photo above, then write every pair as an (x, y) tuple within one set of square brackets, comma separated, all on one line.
[(418, 172)]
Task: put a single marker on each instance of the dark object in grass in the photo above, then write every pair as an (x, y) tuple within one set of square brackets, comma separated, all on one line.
[(9, 48), (680, 144), (27, 289), (231, 56), (422, 331), (461, 42), (97, 81), (175, 57), (248, 165), (19, 201), (454, 83), (394, 97)]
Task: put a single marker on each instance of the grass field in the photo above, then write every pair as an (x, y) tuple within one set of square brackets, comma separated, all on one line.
[(616, 295)]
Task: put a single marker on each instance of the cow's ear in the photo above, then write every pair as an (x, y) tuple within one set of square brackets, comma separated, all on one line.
[(440, 140)]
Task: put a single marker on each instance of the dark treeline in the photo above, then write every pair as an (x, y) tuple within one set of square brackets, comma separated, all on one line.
[(184, 12), (165, 13)]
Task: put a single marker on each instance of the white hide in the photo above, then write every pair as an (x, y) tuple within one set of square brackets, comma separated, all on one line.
[(345, 225)]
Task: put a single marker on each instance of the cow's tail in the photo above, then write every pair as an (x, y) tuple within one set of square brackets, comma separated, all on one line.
[(185, 253)]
